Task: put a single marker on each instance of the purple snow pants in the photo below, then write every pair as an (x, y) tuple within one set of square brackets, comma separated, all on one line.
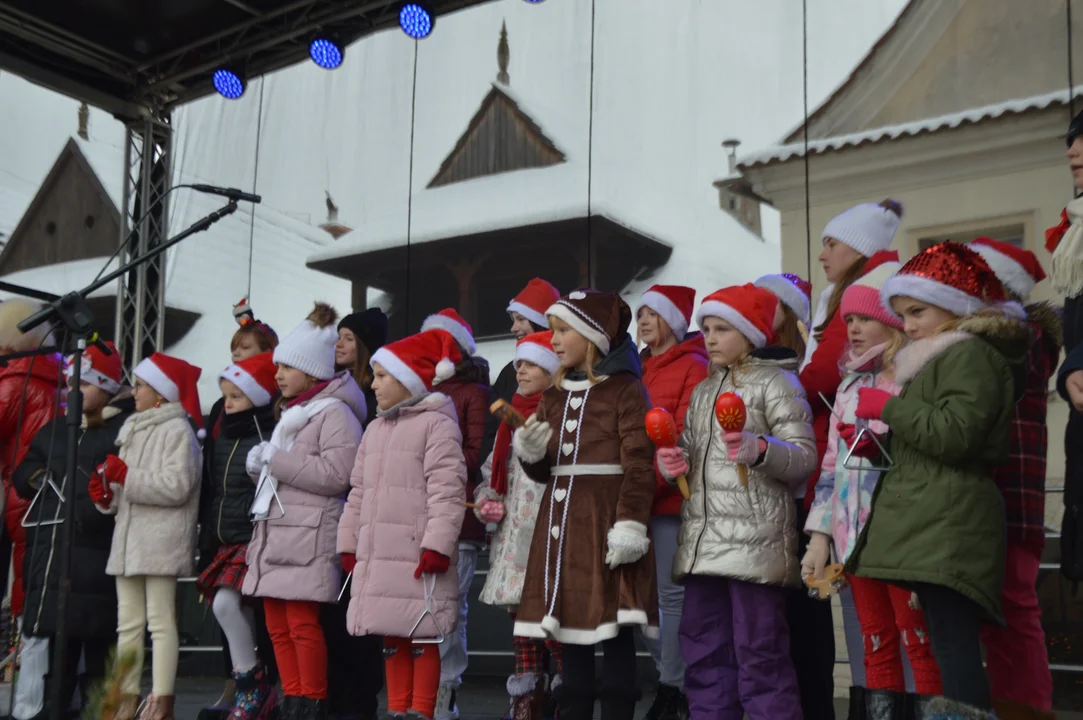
[(736, 648)]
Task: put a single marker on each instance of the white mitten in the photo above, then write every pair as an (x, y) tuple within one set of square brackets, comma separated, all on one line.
[(252, 463), (531, 441), (267, 452), (816, 556), (627, 541)]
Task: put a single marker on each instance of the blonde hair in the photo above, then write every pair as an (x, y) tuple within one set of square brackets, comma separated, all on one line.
[(896, 342), (594, 354)]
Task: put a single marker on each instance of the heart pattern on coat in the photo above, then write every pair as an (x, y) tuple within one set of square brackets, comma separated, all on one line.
[(560, 494), (567, 448), (555, 532), (571, 425), (575, 402)]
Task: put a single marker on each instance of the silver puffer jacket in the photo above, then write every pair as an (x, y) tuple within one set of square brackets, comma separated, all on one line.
[(737, 531)]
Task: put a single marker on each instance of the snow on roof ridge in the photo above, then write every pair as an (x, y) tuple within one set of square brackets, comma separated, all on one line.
[(782, 153)]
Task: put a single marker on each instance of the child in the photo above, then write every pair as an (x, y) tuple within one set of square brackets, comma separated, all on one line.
[(92, 605), (844, 497), (1017, 662), (794, 295), (303, 470), (508, 500), (247, 387), (937, 519), (153, 488), (359, 335), (738, 543), (590, 577), (673, 365), (400, 530), (469, 392)]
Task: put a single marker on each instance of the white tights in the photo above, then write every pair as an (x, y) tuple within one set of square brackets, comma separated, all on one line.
[(238, 625)]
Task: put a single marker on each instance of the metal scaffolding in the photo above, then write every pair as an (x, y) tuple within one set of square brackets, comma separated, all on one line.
[(140, 318)]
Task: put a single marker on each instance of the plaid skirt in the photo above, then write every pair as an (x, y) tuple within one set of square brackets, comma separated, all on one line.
[(227, 570)]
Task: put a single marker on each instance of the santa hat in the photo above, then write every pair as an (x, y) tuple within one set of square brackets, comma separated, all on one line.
[(867, 228), (97, 368), (533, 302), (863, 296), (13, 312), (254, 376), (674, 303), (176, 381), (310, 347), (420, 361), (537, 348), (793, 291), (749, 309), (1017, 269), (950, 276), (450, 321), (600, 317)]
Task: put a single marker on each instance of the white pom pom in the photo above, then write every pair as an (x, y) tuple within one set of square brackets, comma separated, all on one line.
[(201, 433), (445, 370)]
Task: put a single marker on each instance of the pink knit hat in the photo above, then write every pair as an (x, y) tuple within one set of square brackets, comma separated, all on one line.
[(863, 297)]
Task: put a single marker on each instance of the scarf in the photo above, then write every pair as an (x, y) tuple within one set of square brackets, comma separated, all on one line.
[(1066, 270), (502, 446)]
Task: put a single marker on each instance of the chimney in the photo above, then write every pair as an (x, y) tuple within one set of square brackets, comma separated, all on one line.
[(731, 150), (503, 56), (84, 119)]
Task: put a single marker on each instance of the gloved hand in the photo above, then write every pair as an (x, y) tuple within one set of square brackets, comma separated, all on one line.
[(491, 511), (671, 462), (114, 470), (267, 452), (627, 541), (432, 563), (100, 494), (531, 441), (349, 561), (252, 464), (744, 448), (816, 556), (866, 448), (871, 402)]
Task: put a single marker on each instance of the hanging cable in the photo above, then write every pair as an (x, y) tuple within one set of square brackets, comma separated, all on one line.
[(410, 190), (255, 179), (590, 157), (804, 133)]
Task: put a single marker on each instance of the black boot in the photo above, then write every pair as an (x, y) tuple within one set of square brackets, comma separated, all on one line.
[(289, 708), (669, 704), (311, 709), (618, 704), (857, 703), (885, 705), (573, 704)]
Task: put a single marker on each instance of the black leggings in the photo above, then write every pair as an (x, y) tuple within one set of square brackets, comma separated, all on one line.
[(618, 668), (954, 623)]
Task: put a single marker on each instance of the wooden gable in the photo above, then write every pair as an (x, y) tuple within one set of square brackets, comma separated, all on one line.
[(499, 138), (70, 218)]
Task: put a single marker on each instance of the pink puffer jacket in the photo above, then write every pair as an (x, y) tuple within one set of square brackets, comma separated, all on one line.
[(292, 556), (408, 490)]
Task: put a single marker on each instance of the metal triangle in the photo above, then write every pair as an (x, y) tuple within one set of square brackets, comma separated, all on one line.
[(850, 464), (33, 502)]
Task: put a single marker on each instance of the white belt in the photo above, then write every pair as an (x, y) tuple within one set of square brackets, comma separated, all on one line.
[(591, 469)]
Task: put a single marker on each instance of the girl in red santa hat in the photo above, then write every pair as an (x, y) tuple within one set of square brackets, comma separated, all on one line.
[(674, 362), (937, 523), (302, 470), (738, 544), (152, 486), (469, 392), (399, 533)]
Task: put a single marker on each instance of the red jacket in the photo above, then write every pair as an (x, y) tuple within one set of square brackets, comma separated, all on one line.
[(822, 374), (670, 379), (38, 407), (471, 400)]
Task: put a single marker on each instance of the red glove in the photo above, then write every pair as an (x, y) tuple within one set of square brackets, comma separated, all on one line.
[(100, 494), (432, 563), (113, 470), (871, 402), (867, 448), (349, 561)]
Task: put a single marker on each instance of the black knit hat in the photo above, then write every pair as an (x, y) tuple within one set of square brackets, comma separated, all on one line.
[(368, 326), (1075, 128)]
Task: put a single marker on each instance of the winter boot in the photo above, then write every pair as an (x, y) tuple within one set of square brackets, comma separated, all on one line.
[(446, 709), (1010, 710), (311, 709), (669, 704), (884, 705), (254, 697), (857, 703), (289, 707), (158, 707), (914, 705), (126, 709), (528, 697), (619, 703), (940, 708), (573, 704)]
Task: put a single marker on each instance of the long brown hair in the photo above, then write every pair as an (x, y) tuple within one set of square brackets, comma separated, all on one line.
[(789, 335), (360, 370)]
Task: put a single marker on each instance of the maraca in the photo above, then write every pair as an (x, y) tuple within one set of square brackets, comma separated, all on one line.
[(729, 410), (663, 433)]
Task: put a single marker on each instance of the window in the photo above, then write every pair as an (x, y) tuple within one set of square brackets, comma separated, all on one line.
[(1011, 230)]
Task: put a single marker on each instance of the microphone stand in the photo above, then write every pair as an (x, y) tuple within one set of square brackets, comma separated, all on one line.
[(73, 312)]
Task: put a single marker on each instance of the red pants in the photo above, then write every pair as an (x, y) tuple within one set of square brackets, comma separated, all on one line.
[(300, 650), (412, 677), (885, 615), (1015, 656)]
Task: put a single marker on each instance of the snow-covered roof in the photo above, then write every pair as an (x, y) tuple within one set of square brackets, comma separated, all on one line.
[(783, 153)]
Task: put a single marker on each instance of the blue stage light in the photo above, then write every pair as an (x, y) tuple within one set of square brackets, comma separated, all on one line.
[(416, 20), (228, 83), (326, 53), (534, 2)]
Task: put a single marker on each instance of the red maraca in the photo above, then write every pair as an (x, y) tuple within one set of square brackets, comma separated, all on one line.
[(662, 431), (729, 410)]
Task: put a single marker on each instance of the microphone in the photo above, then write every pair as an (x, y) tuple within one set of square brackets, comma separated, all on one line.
[(231, 193)]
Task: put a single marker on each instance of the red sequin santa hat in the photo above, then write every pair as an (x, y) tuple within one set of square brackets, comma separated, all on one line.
[(97, 368), (794, 292), (674, 303), (950, 276), (255, 377), (175, 380), (749, 309), (1018, 269), (450, 321), (534, 300), (537, 348), (422, 361)]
